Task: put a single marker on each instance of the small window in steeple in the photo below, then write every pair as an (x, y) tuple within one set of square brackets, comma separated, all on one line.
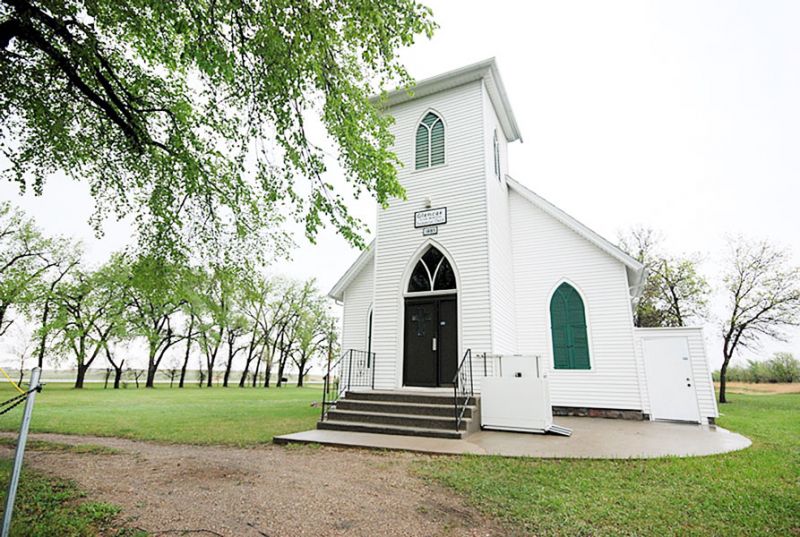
[(496, 154), (430, 141)]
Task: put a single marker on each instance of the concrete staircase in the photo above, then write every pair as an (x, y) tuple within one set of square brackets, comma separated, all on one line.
[(401, 412)]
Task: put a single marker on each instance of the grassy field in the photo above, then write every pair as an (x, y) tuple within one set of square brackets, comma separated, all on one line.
[(765, 388), (751, 492), (192, 415)]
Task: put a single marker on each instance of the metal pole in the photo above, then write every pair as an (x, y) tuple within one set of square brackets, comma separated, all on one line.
[(373, 371), (20, 452)]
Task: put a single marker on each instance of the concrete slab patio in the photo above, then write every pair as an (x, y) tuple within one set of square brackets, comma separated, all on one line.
[(592, 438)]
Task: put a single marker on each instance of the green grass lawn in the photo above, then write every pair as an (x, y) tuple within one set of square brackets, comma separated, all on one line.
[(192, 415), (750, 492)]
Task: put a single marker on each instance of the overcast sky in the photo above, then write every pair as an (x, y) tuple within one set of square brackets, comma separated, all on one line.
[(682, 116)]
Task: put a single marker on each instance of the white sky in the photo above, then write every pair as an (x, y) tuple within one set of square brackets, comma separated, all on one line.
[(679, 115)]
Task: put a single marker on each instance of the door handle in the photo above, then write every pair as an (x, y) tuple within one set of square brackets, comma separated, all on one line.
[(433, 344)]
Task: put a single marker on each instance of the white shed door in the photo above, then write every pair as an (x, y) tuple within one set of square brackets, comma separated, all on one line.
[(669, 379)]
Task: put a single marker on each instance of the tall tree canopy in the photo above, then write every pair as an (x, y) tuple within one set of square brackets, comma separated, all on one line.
[(762, 288), (192, 116)]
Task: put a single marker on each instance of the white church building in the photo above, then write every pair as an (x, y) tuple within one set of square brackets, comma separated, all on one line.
[(474, 264)]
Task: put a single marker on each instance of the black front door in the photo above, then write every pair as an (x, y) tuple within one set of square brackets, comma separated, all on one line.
[(431, 341)]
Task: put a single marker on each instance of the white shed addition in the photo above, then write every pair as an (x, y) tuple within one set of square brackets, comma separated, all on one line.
[(473, 266)]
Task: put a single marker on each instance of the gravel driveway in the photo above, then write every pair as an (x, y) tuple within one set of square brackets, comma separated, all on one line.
[(266, 491)]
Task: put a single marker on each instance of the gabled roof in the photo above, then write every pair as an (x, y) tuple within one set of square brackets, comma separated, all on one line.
[(485, 70), (337, 291), (635, 270)]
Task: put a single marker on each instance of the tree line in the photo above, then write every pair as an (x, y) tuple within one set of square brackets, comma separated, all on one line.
[(759, 285), (781, 367), (213, 312)]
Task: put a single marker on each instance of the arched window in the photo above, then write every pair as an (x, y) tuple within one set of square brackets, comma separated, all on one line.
[(568, 326), (496, 152), (432, 273), (430, 141)]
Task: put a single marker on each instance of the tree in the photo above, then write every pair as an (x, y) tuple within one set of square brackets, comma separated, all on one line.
[(153, 289), (642, 244), (763, 294), (299, 296), (274, 326), (164, 106), (23, 261), (116, 364), (89, 310), (674, 292), (216, 302), (314, 334), (256, 305), (237, 327), (64, 255), (682, 291), (189, 336)]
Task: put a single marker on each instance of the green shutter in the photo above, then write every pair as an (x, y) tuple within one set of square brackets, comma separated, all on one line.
[(422, 160), (568, 327), (437, 143)]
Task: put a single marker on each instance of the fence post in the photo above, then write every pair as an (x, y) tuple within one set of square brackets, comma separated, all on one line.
[(13, 482)]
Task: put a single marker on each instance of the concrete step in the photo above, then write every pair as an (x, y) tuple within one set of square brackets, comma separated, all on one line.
[(336, 425), (385, 407), (403, 420), (397, 396)]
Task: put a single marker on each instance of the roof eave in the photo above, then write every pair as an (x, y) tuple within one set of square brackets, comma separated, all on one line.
[(636, 268), (337, 291)]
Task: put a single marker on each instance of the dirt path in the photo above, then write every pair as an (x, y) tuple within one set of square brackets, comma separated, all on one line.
[(266, 491)]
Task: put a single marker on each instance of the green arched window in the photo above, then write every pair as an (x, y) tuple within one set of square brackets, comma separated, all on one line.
[(430, 141), (568, 328)]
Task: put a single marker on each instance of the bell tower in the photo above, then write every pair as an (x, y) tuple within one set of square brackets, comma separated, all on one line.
[(450, 136)]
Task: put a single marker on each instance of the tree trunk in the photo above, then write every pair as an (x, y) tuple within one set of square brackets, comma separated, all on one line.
[(284, 357), (151, 367), (723, 372), (211, 358), (228, 366), (247, 363), (118, 375), (108, 374), (185, 362), (81, 375), (258, 366), (267, 373)]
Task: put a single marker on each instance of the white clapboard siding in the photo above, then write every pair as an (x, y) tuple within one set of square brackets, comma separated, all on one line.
[(501, 274), (546, 253), (701, 369), (357, 303), (459, 185)]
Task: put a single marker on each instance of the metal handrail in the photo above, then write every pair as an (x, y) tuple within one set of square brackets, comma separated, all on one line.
[(463, 389), (354, 369)]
